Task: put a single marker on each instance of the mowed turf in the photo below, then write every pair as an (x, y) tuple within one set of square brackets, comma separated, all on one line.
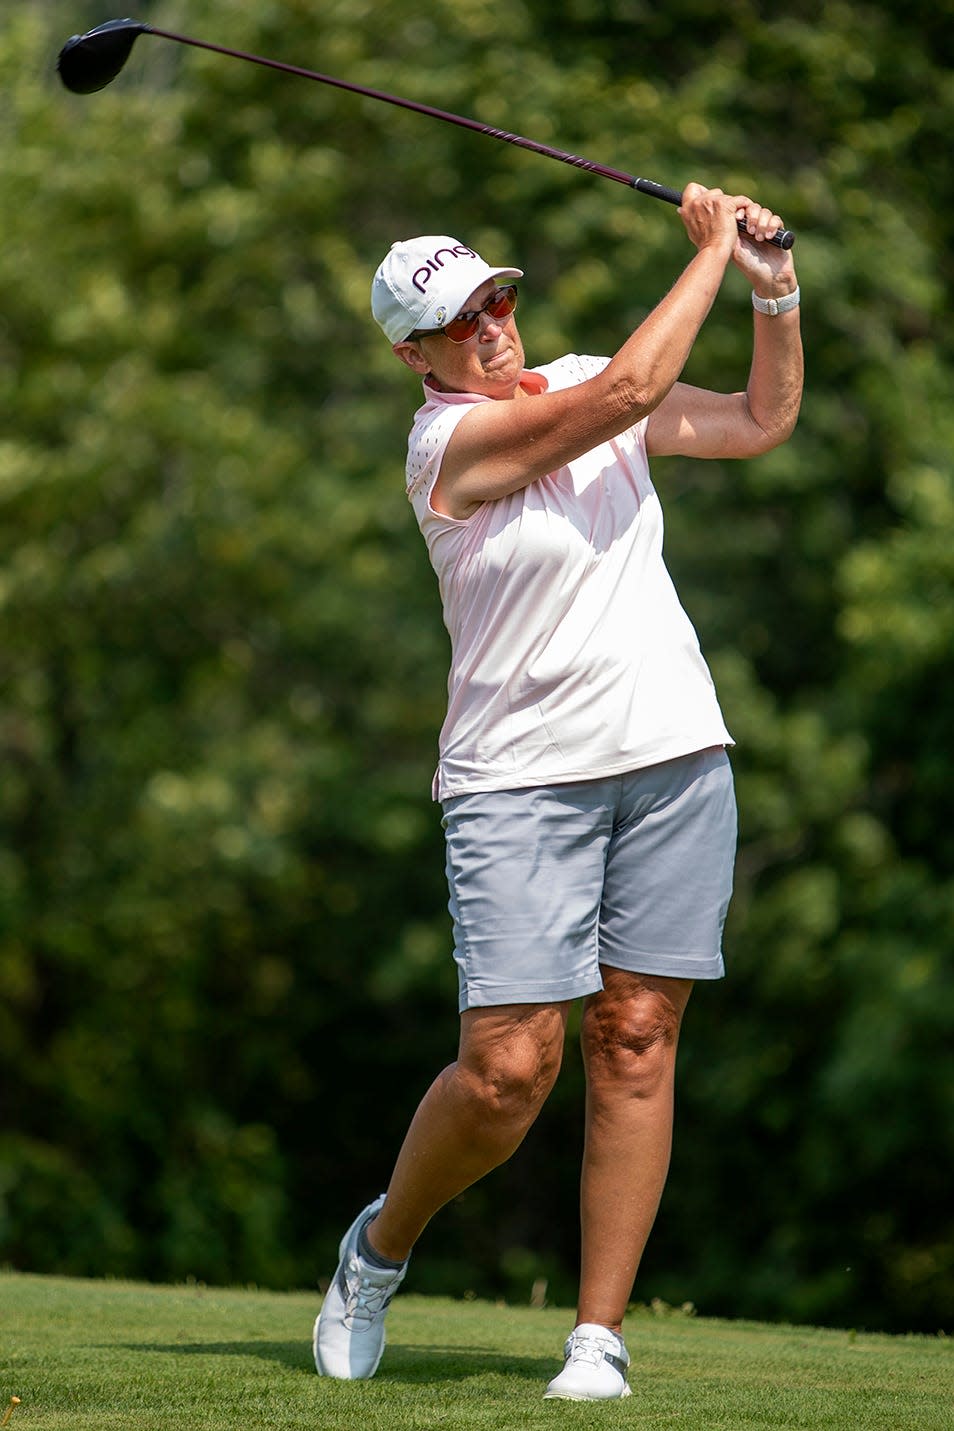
[(102, 1355)]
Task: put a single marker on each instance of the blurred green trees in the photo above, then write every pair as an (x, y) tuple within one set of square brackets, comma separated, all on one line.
[(224, 954)]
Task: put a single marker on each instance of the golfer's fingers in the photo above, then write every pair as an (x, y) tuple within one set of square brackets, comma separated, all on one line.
[(707, 214), (692, 191), (760, 223)]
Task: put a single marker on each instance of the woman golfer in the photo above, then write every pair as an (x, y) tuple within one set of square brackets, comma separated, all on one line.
[(587, 796)]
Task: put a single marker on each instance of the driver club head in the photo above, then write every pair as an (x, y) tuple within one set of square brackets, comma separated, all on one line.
[(90, 62)]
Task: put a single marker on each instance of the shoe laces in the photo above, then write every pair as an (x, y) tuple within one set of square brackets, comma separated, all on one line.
[(584, 1349), (590, 1348), (368, 1295)]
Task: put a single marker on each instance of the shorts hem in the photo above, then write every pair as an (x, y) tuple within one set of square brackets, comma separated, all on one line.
[(661, 967), (490, 996)]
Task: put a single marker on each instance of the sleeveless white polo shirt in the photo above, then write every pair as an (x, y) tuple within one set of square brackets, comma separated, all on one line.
[(571, 655)]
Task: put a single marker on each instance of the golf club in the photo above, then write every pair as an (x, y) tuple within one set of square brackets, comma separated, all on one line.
[(89, 62)]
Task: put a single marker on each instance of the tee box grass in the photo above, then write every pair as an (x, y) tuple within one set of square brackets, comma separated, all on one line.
[(94, 1356)]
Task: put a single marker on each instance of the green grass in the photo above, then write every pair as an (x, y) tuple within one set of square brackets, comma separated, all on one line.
[(84, 1354)]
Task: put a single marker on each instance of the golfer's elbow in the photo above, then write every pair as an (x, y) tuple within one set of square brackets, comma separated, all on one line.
[(766, 431), (633, 400)]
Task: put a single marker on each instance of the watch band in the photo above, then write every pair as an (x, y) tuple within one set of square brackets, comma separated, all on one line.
[(774, 306)]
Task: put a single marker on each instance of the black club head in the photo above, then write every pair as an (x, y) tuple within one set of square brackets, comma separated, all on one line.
[(89, 62)]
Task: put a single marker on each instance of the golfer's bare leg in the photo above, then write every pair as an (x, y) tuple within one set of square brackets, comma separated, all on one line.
[(474, 1115), (629, 1035)]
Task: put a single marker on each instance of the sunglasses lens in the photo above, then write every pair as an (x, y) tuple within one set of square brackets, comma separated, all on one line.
[(460, 329), (501, 305)]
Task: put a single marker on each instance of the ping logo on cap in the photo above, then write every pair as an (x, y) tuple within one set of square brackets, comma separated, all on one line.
[(423, 275)]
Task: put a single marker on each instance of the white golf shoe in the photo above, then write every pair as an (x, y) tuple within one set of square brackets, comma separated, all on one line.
[(595, 1366), (349, 1330)]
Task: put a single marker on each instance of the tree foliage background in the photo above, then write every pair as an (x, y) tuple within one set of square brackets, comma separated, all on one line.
[(224, 950)]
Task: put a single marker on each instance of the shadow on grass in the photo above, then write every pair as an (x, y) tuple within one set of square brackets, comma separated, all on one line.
[(416, 1365), (295, 1355)]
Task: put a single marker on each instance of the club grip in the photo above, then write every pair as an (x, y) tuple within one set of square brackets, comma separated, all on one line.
[(783, 239)]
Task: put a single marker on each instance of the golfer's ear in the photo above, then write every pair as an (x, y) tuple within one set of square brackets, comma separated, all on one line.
[(411, 354)]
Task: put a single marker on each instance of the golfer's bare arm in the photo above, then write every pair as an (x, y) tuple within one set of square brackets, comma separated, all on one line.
[(694, 422), (503, 446), (500, 447)]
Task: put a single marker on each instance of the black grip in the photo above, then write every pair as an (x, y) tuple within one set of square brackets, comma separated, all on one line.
[(783, 239)]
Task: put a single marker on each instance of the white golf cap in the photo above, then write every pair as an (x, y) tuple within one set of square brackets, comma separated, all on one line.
[(425, 282)]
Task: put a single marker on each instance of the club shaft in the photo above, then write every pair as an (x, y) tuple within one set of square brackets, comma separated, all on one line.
[(783, 239)]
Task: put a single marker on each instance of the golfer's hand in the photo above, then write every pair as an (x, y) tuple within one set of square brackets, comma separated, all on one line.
[(710, 218), (769, 269)]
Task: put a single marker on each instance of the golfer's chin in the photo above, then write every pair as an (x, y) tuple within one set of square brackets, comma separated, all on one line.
[(501, 373)]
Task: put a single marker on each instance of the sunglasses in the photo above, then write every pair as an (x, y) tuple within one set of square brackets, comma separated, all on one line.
[(500, 304)]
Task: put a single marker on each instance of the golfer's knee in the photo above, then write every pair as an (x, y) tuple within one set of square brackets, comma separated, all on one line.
[(632, 1044), (510, 1083)]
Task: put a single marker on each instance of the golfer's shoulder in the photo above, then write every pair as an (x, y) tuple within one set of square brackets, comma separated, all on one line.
[(572, 369), (435, 423), (567, 372)]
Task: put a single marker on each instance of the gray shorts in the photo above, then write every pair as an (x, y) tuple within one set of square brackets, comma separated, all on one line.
[(547, 883)]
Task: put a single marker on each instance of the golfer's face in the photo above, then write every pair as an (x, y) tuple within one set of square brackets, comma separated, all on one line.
[(489, 363)]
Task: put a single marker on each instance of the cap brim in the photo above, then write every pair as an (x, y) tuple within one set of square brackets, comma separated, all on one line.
[(448, 304)]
